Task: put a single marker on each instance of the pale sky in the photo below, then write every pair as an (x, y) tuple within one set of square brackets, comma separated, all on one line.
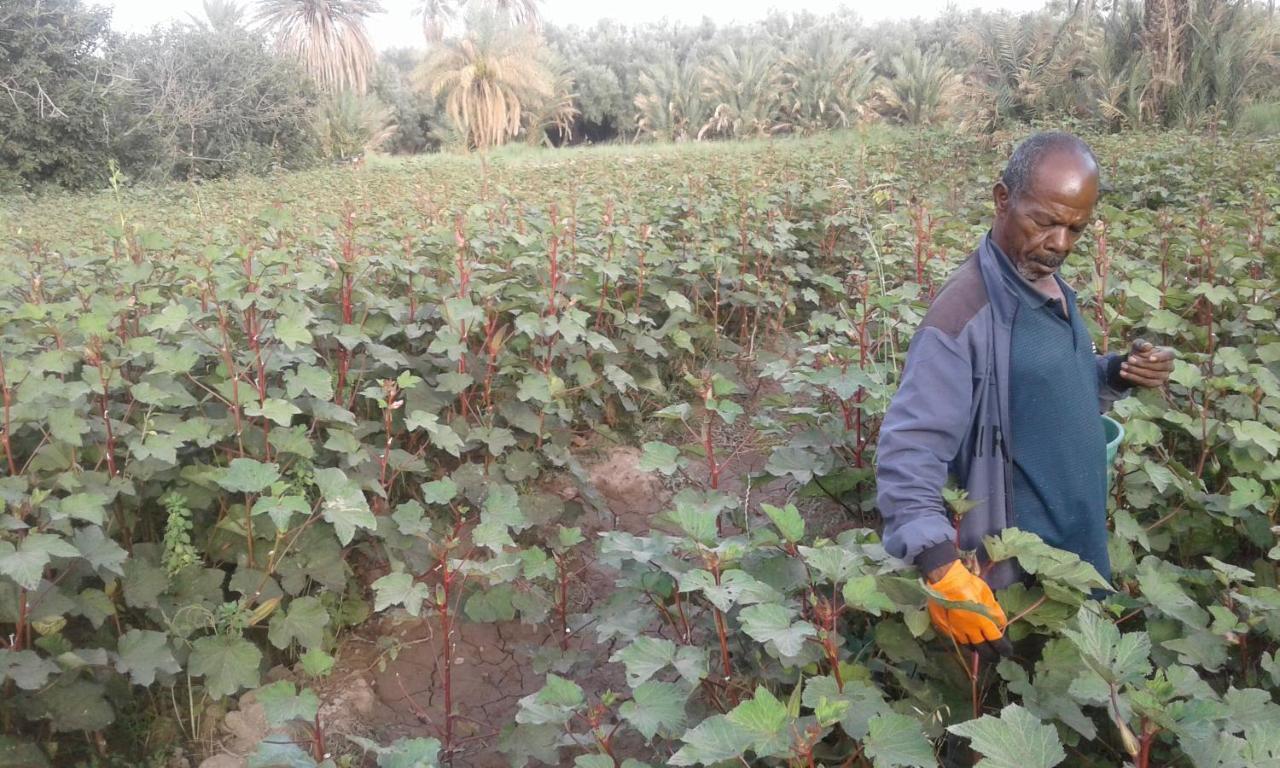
[(399, 27)]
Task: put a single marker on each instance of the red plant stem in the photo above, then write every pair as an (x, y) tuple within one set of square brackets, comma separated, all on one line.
[(562, 601), (106, 419), (721, 631), (446, 646), (707, 445), (23, 628), (833, 659), (1143, 759), (7, 394), (319, 749), (684, 620), (644, 241), (973, 686)]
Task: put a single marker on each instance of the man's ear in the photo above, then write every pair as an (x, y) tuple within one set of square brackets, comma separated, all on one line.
[(1000, 194)]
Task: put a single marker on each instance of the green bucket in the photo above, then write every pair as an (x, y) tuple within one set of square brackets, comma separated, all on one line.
[(1114, 434)]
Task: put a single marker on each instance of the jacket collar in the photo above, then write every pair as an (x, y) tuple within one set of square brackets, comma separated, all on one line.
[(1002, 292)]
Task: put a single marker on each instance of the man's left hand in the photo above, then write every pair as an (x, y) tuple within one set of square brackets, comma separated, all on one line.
[(1148, 365)]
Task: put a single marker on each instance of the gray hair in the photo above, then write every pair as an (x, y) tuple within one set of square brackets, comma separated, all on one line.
[(1028, 155)]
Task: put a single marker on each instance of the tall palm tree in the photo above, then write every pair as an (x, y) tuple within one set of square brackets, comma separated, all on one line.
[(488, 79), (669, 99), (556, 113), (921, 86), (825, 82), (219, 16), (437, 15), (743, 82), (327, 36)]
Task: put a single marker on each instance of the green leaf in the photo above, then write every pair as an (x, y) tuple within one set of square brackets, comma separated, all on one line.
[(712, 741), (787, 520), (1258, 434), (309, 380), (439, 491), (89, 507), (767, 721), (102, 553), (1050, 564), (50, 544), (659, 457), (228, 664), (676, 300), (411, 753), (554, 704), (26, 669), (644, 658), (697, 521), (77, 705), (1016, 739), (656, 707), (593, 761), (736, 587), (16, 753), (1161, 588), (399, 588), (304, 623), (292, 331), (865, 702), (142, 653), (771, 623), (67, 426), (898, 741), (345, 506), (274, 409), (796, 462), (491, 605), (862, 592), (282, 702), (317, 663), (281, 509), (23, 566), (249, 476), (1116, 658), (692, 663)]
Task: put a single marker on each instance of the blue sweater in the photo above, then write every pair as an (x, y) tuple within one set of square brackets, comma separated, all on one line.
[(951, 416), (1059, 450)]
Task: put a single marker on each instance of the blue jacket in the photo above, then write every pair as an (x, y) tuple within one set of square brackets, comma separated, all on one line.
[(950, 416)]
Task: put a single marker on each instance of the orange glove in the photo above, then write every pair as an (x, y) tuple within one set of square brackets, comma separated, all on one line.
[(969, 628)]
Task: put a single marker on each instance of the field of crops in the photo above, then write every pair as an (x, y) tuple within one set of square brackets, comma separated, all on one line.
[(565, 458)]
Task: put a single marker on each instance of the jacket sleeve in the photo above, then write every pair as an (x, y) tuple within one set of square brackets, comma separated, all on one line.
[(1110, 386), (922, 433)]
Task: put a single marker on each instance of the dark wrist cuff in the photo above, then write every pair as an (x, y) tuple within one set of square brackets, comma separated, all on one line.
[(936, 556), (1113, 373)]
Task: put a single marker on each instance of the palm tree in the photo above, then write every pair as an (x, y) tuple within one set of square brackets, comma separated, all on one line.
[(219, 16), (1022, 69), (437, 15), (921, 85), (350, 126), (825, 83), (557, 112), (488, 78), (327, 36), (669, 99), (743, 82)]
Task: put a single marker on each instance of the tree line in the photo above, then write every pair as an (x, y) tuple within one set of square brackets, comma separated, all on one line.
[(266, 84)]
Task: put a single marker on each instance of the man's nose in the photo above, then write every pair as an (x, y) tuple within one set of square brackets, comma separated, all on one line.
[(1059, 240)]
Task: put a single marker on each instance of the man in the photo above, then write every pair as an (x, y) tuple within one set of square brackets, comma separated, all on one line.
[(1002, 389)]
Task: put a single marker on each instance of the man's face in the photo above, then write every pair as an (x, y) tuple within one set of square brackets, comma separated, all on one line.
[(1040, 226)]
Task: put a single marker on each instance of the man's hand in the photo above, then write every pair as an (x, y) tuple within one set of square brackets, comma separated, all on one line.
[(969, 629), (1148, 365)]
